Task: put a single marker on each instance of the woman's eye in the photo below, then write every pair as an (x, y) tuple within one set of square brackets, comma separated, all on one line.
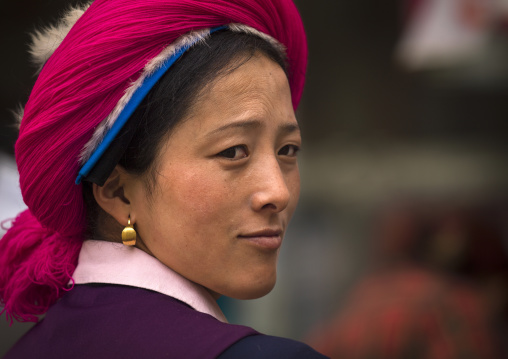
[(289, 150), (235, 152)]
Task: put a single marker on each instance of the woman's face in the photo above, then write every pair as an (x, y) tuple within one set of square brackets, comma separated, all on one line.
[(227, 185)]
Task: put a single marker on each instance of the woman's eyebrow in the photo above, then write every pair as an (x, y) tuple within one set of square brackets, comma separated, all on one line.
[(287, 128), (247, 124), (284, 128)]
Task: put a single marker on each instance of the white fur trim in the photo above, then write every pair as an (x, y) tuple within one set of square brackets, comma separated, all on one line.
[(46, 40), (250, 30), (18, 113)]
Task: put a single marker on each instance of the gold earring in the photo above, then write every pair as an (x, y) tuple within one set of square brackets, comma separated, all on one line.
[(129, 234)]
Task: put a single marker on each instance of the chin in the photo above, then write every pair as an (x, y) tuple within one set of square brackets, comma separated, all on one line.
[(253, 288)]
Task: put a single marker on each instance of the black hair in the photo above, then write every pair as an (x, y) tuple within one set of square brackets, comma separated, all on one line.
[(171, 99)]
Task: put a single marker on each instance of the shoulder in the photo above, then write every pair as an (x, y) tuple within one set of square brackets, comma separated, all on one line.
[(131, 322), (267, 347)]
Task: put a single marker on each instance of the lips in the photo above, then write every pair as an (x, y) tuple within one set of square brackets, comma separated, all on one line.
[(267, 238)]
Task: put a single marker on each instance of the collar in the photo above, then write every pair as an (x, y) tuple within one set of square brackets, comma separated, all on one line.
[(114, 263)]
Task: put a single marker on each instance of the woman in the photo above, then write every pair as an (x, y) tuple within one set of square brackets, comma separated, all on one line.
[(175, 119)]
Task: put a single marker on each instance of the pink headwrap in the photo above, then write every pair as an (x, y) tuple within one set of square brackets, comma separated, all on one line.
[(78, 87)]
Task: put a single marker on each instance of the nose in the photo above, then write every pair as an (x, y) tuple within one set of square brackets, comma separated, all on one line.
[(271, 188)]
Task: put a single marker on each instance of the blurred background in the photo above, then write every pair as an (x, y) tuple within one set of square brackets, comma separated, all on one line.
[(399, 246)]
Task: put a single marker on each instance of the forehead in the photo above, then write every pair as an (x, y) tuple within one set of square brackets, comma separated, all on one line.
[(250, 73), (257, 86)]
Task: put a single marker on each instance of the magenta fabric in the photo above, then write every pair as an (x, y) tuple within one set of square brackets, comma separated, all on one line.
[(77, 88)]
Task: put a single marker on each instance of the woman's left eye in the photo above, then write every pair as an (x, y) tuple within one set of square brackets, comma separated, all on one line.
[(234, 153), (289, 150)]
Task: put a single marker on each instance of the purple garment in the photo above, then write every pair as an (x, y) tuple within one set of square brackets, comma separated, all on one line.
[(113, 321)]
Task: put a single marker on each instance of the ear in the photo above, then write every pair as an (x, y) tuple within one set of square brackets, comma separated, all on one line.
[(111, 197)]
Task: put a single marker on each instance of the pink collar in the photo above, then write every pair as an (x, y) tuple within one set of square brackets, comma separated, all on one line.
[(114, 263)]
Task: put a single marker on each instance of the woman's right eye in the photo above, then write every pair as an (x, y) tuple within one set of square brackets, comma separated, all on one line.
[(234, 153)]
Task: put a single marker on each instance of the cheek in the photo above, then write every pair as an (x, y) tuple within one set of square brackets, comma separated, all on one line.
[(195, 197), (185, 210), (293, 184)]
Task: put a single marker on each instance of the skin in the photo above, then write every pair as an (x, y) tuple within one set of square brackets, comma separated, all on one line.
[(227, 185)]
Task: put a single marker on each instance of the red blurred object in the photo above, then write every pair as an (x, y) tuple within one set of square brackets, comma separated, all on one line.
[(437, 290), (408, 313)]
